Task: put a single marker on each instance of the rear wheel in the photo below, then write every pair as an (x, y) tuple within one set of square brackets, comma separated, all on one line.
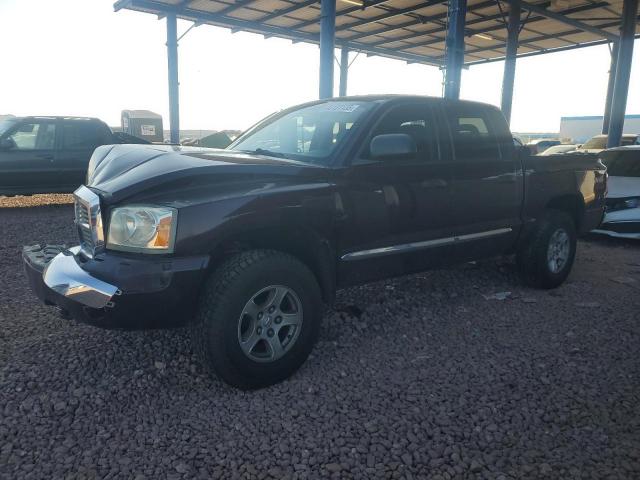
[(546, 258), (258, 318)]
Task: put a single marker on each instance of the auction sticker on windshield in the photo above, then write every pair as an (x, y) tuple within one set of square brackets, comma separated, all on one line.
[(341, 107)]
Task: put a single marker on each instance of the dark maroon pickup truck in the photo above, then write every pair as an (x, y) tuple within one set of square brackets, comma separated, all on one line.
[(245, 245)]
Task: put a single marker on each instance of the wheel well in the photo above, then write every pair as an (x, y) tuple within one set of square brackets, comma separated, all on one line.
[(571, 204), (301, 243)]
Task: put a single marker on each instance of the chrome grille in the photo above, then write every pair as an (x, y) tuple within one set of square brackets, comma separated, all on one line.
[(88, 221)]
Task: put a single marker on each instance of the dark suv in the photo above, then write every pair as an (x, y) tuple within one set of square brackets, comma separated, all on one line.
[(245, 244), (49, 154)]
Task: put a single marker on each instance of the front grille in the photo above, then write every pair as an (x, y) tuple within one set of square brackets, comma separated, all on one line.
[(83, 222), (88, 221)]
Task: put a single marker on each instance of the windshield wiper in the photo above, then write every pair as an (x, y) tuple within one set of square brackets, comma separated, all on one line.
[(268, 153)]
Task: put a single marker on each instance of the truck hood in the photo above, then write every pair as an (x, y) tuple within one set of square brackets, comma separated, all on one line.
[(120, 171)]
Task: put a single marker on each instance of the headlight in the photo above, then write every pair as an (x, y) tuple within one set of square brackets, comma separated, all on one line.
[(632, 203), (142, 229)]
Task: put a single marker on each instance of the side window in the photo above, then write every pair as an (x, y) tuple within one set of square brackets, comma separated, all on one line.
[(473, 137), (82, 135), (34, 136), (623, 167), (415, 121)]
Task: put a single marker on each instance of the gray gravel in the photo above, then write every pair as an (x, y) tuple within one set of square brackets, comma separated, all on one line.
[(428, 376)]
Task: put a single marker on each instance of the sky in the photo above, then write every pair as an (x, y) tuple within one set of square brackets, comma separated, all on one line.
[(79, 57)]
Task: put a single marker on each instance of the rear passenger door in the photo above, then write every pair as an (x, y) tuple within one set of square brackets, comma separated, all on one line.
[(398, 209), (28, 158), (80, 137), (487, 183)]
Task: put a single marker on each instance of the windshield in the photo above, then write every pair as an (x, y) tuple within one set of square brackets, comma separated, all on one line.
[(309, 134), (7, 124)]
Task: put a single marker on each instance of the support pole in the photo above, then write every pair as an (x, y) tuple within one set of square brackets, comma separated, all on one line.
[(327, 46), (172, 59), (509, 75), (344, 70), (623, 73), (455, 48), (610, 85)]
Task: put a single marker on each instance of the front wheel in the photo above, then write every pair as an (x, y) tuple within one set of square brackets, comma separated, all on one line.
[(546, 257), (258, 318)]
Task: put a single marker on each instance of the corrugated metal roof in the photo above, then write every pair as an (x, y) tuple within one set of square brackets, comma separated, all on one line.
[(409, 30)]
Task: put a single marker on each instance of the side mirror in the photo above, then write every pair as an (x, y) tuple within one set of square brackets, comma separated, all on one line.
[(392, 145), (7, 143)]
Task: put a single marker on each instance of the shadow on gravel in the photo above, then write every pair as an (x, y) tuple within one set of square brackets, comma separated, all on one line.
[(456, 373)]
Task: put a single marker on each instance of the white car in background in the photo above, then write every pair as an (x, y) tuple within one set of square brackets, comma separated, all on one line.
[(564, 148), (599, 143), (622, 216)]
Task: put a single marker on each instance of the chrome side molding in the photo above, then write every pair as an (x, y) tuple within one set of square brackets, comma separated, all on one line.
[(409, 247)]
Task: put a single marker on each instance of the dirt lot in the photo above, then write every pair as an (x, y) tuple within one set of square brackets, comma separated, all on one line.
[(426, 376)]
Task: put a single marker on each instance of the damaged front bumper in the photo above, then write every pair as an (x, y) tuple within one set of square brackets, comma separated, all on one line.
[(64, 276), (115, 291)]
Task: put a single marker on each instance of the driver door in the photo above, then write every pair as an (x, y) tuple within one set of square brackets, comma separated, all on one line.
[(28, 158), (398, 210)]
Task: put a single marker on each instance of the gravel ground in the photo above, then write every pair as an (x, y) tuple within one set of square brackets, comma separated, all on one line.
[(428, 376)]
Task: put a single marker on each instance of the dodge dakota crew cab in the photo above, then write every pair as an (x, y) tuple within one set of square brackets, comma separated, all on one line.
[(245, 244)]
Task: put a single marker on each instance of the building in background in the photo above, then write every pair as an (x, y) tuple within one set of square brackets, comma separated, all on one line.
[(581, 129)]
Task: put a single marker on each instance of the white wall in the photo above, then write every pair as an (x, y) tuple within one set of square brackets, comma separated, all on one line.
[(581, 129)]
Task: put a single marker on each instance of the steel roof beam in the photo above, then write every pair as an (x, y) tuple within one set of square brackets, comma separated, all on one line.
[(120, 4), (494, 28), (286, 11), (421, 21), (566, 20), (542, 52), (346, 11), (234, 6), (392, 13), (281, 32), (582, 8), (542, 38)]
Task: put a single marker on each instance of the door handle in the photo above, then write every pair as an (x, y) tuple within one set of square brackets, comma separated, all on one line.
[(435, 183), (46, 156)]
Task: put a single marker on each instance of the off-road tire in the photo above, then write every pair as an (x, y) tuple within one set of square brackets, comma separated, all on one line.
[(214, 330), (531, 257)]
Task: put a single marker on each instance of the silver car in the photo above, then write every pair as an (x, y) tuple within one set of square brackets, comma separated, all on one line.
[(622, 216)]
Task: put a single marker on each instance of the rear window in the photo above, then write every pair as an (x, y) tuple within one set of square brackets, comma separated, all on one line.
[(473, 136), (84, 135), (623, 166)]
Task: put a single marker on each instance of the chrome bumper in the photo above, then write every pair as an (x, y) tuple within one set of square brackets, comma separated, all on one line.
[(64, 276)]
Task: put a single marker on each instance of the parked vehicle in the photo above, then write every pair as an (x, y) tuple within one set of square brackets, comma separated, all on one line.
[(50, 154), (599, 143), (556, 149), (245, 244), (622, 217), (541, 144)]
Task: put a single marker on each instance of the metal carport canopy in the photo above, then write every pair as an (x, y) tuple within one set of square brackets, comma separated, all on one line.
[(409, 30), (447, 34)]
